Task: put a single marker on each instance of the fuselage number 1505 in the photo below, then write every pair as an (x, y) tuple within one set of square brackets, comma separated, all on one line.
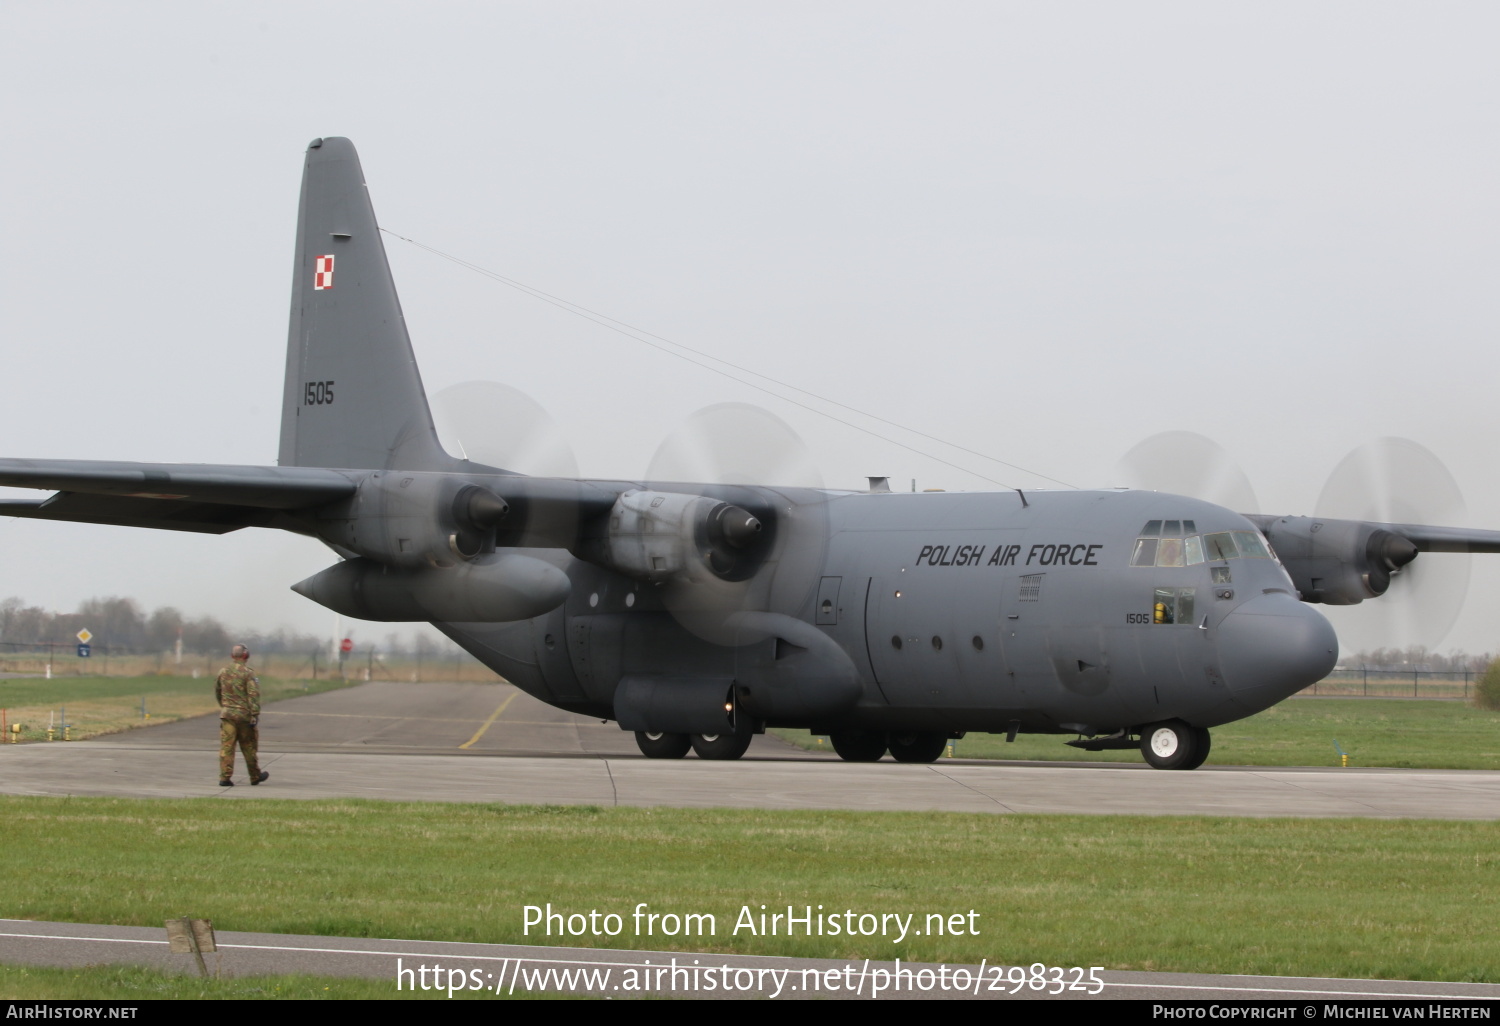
[(317, 393)]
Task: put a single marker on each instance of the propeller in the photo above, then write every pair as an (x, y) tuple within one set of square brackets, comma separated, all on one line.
[(1186, 463), (776, 560), (735, 444), (501, 427), (498, 426), (1397, 481)]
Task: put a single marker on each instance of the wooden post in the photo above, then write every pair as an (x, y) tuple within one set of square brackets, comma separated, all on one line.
[(192, 935)]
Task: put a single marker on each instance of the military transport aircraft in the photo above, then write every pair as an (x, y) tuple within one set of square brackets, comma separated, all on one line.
[(697, 615)]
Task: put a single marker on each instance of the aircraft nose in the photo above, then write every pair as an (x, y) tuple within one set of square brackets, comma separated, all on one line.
[(1273, 646)]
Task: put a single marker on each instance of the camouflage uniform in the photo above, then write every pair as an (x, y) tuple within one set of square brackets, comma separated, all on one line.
[(238, 692)]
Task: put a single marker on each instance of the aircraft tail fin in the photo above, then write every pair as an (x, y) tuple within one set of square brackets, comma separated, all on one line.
[(353, 396)]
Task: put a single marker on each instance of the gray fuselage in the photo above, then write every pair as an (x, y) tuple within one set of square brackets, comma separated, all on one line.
[(964, 612)]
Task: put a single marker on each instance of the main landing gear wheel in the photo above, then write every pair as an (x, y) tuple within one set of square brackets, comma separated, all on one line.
[(858, 746), (662, 746), (917, 746), (1174, 745), (720, 746)]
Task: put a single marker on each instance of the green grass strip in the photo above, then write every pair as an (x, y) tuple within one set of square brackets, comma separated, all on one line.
[(108, 705), (1398, 899)]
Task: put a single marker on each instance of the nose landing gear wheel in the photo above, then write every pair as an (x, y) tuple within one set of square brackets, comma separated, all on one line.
[(720, 746), (662, 746), (1174, 745), (858, 745), (917, 746)]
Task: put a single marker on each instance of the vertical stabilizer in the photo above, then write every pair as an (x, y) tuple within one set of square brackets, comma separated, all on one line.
[(354, 397)]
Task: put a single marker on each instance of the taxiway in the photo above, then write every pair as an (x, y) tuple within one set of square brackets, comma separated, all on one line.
[(492, 743)]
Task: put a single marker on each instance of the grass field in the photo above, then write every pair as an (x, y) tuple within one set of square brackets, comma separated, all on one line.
[(1298, 732), (1346, 897), (104, 705)]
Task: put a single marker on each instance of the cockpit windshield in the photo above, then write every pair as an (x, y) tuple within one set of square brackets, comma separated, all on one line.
[(1177, 543)]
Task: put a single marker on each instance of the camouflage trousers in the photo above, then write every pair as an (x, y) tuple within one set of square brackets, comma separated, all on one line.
[(248, 736)]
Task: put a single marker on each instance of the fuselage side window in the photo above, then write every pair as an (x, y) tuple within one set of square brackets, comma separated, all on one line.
[(1173, 605), (1165, 607)]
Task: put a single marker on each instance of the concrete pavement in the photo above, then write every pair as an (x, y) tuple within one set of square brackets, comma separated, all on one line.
[(492, 743)]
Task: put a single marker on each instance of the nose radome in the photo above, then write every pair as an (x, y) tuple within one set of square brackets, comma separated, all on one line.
[(1273, 646)]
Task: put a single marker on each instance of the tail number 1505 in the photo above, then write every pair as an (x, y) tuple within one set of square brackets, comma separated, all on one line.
[(317, 393)]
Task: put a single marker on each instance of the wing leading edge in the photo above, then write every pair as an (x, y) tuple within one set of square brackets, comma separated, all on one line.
[(204, 498)]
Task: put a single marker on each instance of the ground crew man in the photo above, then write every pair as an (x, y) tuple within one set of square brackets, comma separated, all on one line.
[(238, 692)]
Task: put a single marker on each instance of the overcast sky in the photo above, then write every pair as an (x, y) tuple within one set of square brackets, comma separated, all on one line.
[(1041, 231)]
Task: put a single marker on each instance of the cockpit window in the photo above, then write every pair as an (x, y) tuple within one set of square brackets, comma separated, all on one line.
[(1169, 552), (1252, 544), (1176, 543), (1220, 546), (1145, 552)]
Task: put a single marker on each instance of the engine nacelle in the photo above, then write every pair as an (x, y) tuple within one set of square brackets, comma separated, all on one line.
[(659, 536), (488, 589), (1337, 562), (414, 520)]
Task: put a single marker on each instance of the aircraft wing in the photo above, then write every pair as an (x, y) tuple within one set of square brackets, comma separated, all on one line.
[(1422, 537), (205, 498), (1447, 539)]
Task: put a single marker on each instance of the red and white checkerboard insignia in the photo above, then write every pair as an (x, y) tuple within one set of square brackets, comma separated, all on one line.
[(323, 273)]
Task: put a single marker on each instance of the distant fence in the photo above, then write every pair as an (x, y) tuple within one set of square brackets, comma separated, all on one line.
[(1360, 682), (61, 659)]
